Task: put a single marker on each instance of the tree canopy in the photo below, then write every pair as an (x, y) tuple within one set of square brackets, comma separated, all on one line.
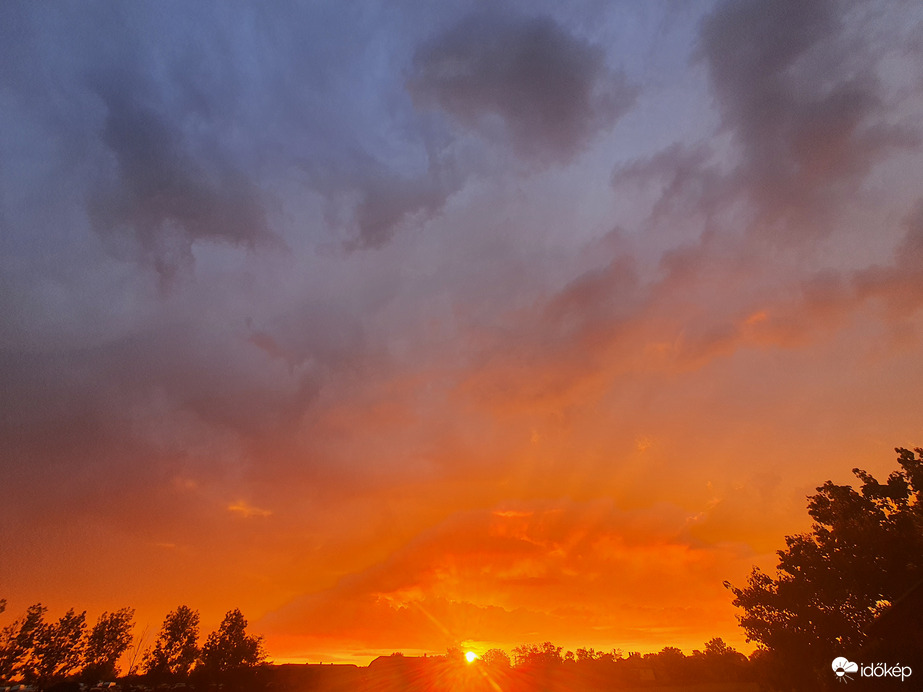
[(230, 647), (864, 551), (58, 648), (496, 658), (107, 641), (43, 653), (17, 643), (534, 654), (176, 649)]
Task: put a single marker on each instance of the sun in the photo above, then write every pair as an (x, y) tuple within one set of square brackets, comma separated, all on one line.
[(470, 656)]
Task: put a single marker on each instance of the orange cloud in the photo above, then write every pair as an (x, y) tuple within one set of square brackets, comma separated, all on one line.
[(246, 510), (576, 572)]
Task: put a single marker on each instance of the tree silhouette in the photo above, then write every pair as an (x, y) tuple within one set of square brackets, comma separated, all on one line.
[(720, 662), (454, 654), (670, 664), (496, 658), (230, 647), (864, 551), (57, 649), (175, 651), (533, 654), (108, 640), (17, 643)]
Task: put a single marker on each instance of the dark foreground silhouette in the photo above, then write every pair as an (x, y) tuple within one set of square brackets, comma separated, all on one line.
[(438, 673)]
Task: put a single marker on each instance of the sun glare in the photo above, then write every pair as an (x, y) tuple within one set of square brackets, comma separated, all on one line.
[(470, 656)]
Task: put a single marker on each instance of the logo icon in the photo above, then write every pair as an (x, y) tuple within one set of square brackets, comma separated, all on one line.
[(842, 666)]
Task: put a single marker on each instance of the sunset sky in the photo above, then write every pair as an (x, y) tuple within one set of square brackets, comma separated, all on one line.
[(400, 325)]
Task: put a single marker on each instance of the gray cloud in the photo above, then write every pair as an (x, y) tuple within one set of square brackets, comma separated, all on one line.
[(900, 285), (553, 92), (808, 114), (172, 132), (164, 196), (381, 198), (178, 127), (388, 200)]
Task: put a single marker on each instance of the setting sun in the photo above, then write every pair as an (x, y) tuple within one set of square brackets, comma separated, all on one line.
[(470, 656)]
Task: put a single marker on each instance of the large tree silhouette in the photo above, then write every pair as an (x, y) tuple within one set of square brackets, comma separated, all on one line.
[(108, 640), (57, 649), (17, 643), (864, 551), (176, 650), (230, 648)]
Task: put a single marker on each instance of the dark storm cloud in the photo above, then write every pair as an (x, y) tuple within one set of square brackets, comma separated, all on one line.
[(170, 132), (177, 120), (132, 130), (165, 131), (552, 91), (164, 196), (807, 111)]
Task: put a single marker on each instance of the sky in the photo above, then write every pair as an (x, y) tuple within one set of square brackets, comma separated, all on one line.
[(409, 325)]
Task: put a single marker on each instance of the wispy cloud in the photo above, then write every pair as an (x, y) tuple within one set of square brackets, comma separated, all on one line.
[(246, 510)]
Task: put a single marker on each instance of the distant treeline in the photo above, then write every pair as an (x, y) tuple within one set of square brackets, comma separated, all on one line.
[(549, 667), (543, 667)]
